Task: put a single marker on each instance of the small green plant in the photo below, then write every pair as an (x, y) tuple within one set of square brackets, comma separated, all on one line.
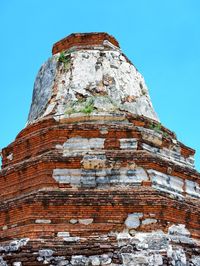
[(158, 128), (88, 109), (165, 135), (89, 106), (65, 59), (81, 106)]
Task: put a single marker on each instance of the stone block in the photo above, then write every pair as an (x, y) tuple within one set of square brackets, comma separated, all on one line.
[(127, 144), (17, 263), (86, 221), (149, 221), (46, 252), (78, 260), (73, 221), (150, 148), (134, 260), (105, 260), (165, 182), (63, 234), (71, 239), (178, 230), (95, 261), (42, 221), (192, 188), (152, 136), (79, 146), (133, 220), (94, 161), (123, 238), (67, 176), (88, 178), (132, 176)]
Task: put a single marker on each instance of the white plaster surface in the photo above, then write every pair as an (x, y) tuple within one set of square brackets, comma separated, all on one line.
[(106, 77), (80, 146)]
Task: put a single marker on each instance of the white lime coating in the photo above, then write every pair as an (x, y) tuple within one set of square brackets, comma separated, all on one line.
[(89, 81)]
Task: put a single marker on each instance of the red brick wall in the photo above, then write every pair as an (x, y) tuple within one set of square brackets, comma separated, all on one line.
[(83, 39)]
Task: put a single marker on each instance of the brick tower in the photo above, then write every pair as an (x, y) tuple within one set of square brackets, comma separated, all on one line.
[(94, 178)]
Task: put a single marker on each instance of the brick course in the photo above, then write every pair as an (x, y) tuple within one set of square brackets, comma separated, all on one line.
[(80, 177)]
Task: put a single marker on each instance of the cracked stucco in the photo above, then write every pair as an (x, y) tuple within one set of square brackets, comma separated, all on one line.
[(103, 79)]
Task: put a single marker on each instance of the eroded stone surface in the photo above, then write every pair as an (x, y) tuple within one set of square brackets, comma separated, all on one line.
[(192, 188), (80, 146), (14, 245), (43, 89), (152, 248), (94, 174), (169, 155), (89, 81), (128, 143), (166, 182), (93, 181)]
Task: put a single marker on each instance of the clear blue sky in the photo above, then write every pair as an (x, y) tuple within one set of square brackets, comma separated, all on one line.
[(162, 39)]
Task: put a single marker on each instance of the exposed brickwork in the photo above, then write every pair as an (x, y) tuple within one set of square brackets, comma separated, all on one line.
[(82, 39), (45, 135), (107, 188), (109, 210), (36, 155)]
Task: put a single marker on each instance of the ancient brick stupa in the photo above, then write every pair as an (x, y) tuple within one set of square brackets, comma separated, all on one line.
[(94, 178)]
